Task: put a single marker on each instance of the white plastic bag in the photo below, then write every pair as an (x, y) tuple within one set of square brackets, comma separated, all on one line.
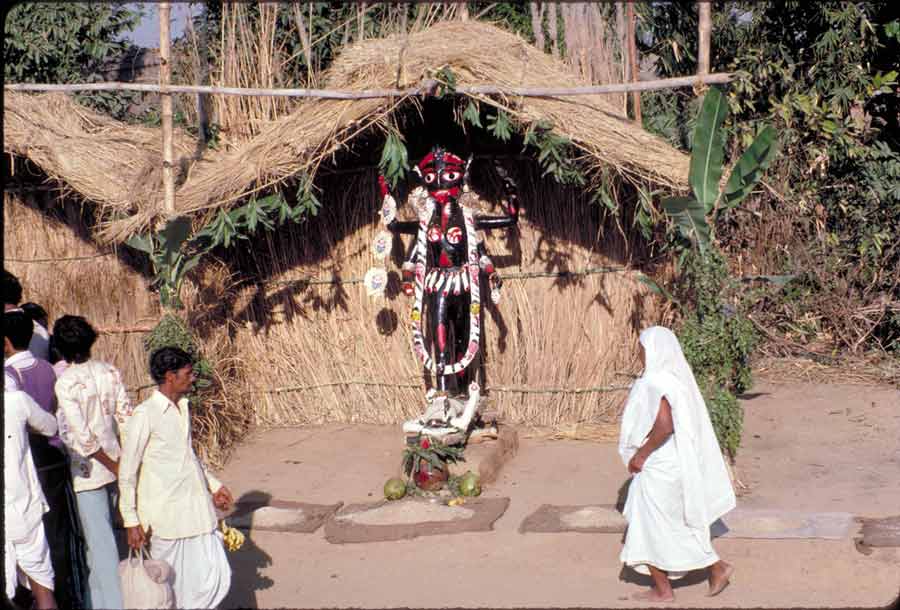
[(146, 583)]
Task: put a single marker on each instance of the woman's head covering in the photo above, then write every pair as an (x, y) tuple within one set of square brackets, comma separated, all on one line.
[(663, 357)]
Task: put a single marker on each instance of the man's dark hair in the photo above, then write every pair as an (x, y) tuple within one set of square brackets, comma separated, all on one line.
[(73, 336), (18, 328), (12, 289), (36, 313), (167, 359)]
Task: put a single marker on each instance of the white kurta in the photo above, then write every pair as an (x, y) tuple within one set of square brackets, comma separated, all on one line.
[(24, 505), (683, 486)]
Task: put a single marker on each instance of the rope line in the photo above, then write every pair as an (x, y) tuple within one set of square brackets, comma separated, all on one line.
[(57, 260), (516, 390), (503, 276)]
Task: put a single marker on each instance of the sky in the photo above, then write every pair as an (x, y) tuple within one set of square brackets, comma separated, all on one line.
[(146, 33)]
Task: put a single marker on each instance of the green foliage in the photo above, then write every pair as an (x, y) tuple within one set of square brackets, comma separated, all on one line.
[(169, 260), (171, 331), (750, 167), (823, 76), (446, 80), (499, 125), (716, 337), (689, 215), (554, 153), (174, 252), (430, 450), (707, 152), (394, 162), (472, 114), (717, 340), (67, 42)]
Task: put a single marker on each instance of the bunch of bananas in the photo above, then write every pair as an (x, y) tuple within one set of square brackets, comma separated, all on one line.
[(234, 538)]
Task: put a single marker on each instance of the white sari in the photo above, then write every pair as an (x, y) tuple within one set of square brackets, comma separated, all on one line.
[(683, 486)]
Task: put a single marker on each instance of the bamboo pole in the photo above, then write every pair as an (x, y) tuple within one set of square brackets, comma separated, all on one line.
[(632, 59), (705, 31), (623, 45), (165, 71), (649, 85)]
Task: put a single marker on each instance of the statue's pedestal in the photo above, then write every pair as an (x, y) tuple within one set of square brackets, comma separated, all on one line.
[(488, 456)]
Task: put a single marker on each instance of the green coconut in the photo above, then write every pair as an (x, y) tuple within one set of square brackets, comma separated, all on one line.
[(469, 484), (394, 489)]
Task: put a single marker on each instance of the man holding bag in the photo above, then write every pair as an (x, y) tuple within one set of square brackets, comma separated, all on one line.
[(165, 492)]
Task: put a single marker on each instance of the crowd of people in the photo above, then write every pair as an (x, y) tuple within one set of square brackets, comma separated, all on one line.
[(79, 457)]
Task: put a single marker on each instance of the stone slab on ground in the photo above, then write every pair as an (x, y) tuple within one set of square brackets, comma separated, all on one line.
[(411, 518), (591, 519), (880, 532), (776, 524), (281, 516)]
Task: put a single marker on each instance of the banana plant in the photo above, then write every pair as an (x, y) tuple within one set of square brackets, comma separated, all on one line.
[(167, 255), (694, 216)]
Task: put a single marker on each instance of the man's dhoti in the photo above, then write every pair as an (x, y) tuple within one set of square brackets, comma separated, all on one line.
[(32, 554), (202, 573), (657, 533)]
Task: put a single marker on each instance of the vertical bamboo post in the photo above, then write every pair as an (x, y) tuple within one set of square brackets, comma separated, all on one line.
[(464, 11), (632, 59), (705, 31), (165, 71), (203, 77), (623, 46)]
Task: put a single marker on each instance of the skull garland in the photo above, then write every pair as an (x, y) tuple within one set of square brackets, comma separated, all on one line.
[(443, 271)]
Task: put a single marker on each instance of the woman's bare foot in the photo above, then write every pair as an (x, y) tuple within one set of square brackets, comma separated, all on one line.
[(719, 576), (652, 595)]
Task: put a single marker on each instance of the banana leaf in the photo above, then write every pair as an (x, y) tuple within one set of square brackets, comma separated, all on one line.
[(689, 217), (707, 151), (750, 167)]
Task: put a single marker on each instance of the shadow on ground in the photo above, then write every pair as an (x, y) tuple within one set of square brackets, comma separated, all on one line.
[(247, 563)]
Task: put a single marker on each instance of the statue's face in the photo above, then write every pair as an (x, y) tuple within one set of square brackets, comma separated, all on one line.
[(442, 173)]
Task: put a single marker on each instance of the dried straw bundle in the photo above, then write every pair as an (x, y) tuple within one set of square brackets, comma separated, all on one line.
[(115, 165), (49, 248), (477, 53)]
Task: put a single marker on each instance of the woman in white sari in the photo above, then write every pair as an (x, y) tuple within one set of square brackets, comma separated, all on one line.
[(680, 484)]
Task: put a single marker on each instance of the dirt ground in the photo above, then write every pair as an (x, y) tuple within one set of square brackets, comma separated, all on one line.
[(806, 447)]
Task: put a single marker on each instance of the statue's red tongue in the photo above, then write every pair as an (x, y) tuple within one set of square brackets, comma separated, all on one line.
[(444, 196)]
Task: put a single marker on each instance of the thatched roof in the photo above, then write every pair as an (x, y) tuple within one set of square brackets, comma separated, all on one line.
[(114, 164)]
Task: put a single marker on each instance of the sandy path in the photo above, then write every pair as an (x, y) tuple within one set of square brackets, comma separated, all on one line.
[(796, 455)]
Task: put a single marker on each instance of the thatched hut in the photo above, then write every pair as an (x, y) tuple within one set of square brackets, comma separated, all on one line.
[(287, 309)]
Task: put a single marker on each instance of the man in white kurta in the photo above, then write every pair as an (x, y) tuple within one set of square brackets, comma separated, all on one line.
[(165, 491), (24, 505), (680, 484)]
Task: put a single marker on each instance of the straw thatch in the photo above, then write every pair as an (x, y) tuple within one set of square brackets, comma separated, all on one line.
[(49, 248), (115, 165), (286, 315), (477, 53)]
